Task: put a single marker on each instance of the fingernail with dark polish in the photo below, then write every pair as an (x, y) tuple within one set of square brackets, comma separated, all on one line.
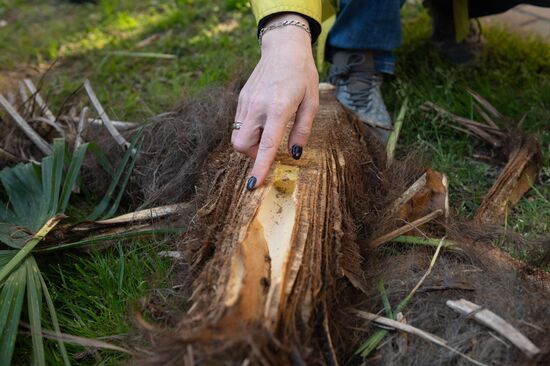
[(296, 151), (251, 183)]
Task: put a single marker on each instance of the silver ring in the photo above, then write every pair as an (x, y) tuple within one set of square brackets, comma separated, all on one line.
[(237, 125)]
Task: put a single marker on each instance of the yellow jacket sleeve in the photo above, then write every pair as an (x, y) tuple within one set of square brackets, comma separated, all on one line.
[(309, 8)]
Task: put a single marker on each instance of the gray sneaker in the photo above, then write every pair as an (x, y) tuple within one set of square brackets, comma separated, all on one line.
[(358, 89)]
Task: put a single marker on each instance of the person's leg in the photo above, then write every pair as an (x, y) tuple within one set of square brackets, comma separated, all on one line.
[(360, 46), (368, 25), (444, 36)]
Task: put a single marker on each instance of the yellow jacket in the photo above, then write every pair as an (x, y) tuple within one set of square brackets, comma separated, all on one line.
[(315, 10), (320, 11)]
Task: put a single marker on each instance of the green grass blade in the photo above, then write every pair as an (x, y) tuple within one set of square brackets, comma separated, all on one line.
[(430, 242), (22, 254), (385, 300), (55, 322), (371, 343), (34, 303), (121, 269), (122, 187), (70, 178), (104, 204), (394, 136), (11, 299)]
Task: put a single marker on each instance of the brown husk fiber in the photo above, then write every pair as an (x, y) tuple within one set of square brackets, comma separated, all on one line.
[(190, 160)]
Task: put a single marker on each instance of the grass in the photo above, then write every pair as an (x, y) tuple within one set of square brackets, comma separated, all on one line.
[(213, 41), (95, 295)]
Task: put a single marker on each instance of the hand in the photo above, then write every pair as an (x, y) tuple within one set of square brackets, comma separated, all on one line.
[(285, 82)]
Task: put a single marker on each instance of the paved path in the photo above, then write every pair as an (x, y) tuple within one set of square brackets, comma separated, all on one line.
[(526, 19)]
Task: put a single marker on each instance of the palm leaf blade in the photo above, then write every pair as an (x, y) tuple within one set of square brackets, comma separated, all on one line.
[(34, 302), (56, 176), (55, 322), (72, 175), (12, 295), (130, 152)]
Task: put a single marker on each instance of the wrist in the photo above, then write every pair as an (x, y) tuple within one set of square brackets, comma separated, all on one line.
[(285, 28)]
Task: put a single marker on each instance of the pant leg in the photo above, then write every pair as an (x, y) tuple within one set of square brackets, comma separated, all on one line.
[(373, 25)]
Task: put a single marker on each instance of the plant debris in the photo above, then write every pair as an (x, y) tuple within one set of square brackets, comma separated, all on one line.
[(520, 153)]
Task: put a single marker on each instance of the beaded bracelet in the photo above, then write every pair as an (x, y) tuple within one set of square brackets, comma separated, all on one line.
[(283, 24)]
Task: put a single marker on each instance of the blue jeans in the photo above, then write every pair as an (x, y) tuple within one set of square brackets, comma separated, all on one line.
[(373, 25)]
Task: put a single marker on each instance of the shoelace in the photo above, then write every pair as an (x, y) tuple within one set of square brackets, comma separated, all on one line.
[(341, 76)]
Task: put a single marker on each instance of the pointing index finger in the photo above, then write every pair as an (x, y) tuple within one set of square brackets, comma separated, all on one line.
[(267, 148)]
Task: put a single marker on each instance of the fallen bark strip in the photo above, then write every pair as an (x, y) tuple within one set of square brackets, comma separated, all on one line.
[(80, 341), (21, 123), (97, 122), (41, 104), (515, 179), (401, 326), (103, 116), (495, 322), (24, 98), (416, 187), (145, 214), (405, 228), (80, 128)]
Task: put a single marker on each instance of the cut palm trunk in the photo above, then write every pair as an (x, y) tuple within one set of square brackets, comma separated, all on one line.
[(272, 261)]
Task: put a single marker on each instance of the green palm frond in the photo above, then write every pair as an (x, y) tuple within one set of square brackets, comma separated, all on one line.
[(34, 200)]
